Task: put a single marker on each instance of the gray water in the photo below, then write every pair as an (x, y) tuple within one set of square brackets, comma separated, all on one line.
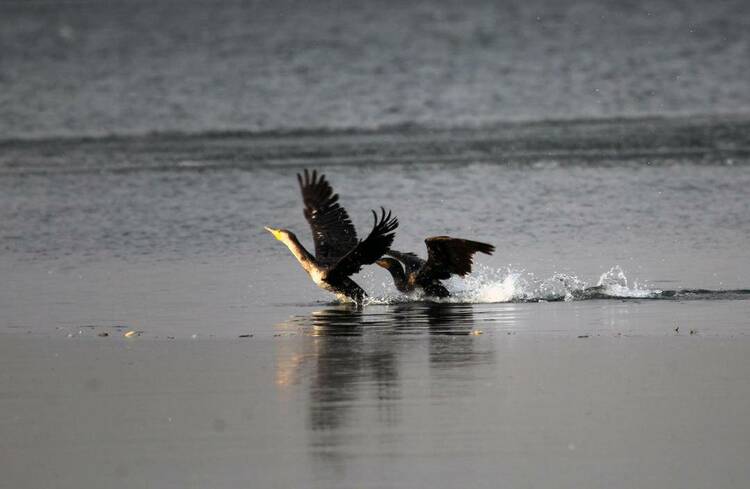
[(98, 67), (602, 147)]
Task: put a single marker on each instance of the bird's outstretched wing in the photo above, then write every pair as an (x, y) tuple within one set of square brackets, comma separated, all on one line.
[(447, 256), (411, 261), (333, 232), (369, 250)]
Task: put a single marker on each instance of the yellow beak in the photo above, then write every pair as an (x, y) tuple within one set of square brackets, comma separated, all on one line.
[(276, 233)]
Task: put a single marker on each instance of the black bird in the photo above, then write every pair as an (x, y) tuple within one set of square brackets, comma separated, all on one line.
[(446, 256), (338, 252)]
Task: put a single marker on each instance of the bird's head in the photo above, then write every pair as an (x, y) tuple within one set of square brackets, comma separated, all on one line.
[(280, 234), (388, 263)]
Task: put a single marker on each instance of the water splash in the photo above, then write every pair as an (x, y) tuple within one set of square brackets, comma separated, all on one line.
[(487, 285), (614, 283)]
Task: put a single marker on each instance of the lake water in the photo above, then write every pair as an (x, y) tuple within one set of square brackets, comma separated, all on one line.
[(153, 334), (94, 68)]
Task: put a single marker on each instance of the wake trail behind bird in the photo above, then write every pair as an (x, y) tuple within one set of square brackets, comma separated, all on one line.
[(487, 286)]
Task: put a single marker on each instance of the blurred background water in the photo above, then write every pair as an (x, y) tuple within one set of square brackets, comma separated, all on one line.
[(134, 66)]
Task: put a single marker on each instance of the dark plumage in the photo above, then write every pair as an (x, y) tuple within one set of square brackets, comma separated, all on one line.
[(446, 256), (338, 252)]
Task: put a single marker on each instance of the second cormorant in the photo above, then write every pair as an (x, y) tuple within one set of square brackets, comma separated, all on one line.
[(446, 256)]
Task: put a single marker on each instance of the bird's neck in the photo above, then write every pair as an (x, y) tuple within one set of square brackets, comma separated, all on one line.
[(300, 253), (399, 277)]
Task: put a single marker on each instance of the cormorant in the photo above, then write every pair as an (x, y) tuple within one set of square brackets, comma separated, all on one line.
[(338, 252), (446, 256)]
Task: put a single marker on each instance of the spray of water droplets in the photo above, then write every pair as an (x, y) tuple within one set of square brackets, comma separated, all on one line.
[(487, 285)]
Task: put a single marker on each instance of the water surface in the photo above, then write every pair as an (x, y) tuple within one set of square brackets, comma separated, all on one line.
[(144, 146), (97, 68)]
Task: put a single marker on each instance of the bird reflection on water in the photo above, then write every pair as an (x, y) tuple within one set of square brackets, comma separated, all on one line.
[(355, 359), (354, 367), (398, 319)]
